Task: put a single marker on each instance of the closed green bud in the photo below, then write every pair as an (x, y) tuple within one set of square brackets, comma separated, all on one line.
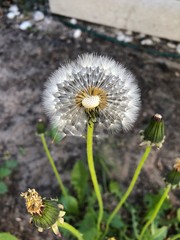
[(41, 129), (154, 134), (44, 213), (173, 176)]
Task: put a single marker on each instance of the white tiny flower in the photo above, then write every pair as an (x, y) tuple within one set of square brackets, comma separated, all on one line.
[(92, 88)]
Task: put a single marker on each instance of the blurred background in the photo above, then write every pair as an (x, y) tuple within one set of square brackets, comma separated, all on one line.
[(35, 38)]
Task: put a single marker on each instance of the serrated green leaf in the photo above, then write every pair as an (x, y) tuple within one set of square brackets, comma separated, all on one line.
[(10, 164), (88, 226), (7, 236), (135, 222), (4, 172), (160, 233), (89, 221), (79, 180), (3, 188), (90, 234), (117, 222), (70, 204)]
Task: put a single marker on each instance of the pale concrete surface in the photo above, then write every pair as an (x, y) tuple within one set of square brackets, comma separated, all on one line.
[(158, 17)]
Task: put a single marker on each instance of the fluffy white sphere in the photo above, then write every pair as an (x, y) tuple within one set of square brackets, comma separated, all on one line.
[(92, 86)]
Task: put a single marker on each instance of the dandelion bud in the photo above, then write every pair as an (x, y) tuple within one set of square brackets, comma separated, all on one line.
[(173, 176), (153, 135), (44, 213), (40, 127), (92, 88)]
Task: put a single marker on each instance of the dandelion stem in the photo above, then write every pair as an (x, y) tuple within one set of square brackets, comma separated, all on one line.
[(156, 210), (93, 172), (130, 188), (71, 229), (175, 237), (51, 161)]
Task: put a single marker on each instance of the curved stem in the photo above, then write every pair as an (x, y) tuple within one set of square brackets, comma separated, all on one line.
[(157, 208), (51, 161), (130, 188), (93, 172), (72, 230), (175, 237)]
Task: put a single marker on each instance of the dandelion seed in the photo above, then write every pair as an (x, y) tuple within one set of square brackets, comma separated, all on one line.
[(92, 88)]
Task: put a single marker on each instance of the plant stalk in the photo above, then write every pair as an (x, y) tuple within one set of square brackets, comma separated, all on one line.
[(72, 230), (51, 161), (130, 188), (157, 208), (175, 237), (93, 172)]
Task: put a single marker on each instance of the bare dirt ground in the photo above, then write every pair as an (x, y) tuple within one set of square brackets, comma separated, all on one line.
[(27, 58)]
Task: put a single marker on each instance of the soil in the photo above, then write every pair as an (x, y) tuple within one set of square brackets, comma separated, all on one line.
[(27, 58)]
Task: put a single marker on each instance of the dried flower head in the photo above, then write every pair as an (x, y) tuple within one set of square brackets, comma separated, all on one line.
[(177, 165), (45, 213), (154, 135), (92, 88), (173, 177)]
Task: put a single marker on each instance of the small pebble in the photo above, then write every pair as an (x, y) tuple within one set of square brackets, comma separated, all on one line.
[(123, 38), (177, 74), (147, 42), (171, 45), (25, 25), (156, 39), (120, 37), (11, 15), (128, 32), (89, 40), (38, 16), (18, 219), (128, 39), (141, 35), (13, 8), (13, 12), (73, 21), (77, 33), (178, 48)]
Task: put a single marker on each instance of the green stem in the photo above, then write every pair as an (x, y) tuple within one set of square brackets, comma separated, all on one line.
[(51, 161), (93, 172), (175, 237), (157, 208), (72, 230), (130, 188)]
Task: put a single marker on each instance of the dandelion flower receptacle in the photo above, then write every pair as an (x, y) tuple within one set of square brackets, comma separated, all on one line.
[(92, 88), (154, 134), (45, 213)]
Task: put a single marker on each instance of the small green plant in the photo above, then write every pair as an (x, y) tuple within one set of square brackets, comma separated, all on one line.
[(6, 169), (92, 97)]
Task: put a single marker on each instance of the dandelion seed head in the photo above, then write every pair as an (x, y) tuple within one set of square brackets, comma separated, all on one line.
[(92, 87)]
